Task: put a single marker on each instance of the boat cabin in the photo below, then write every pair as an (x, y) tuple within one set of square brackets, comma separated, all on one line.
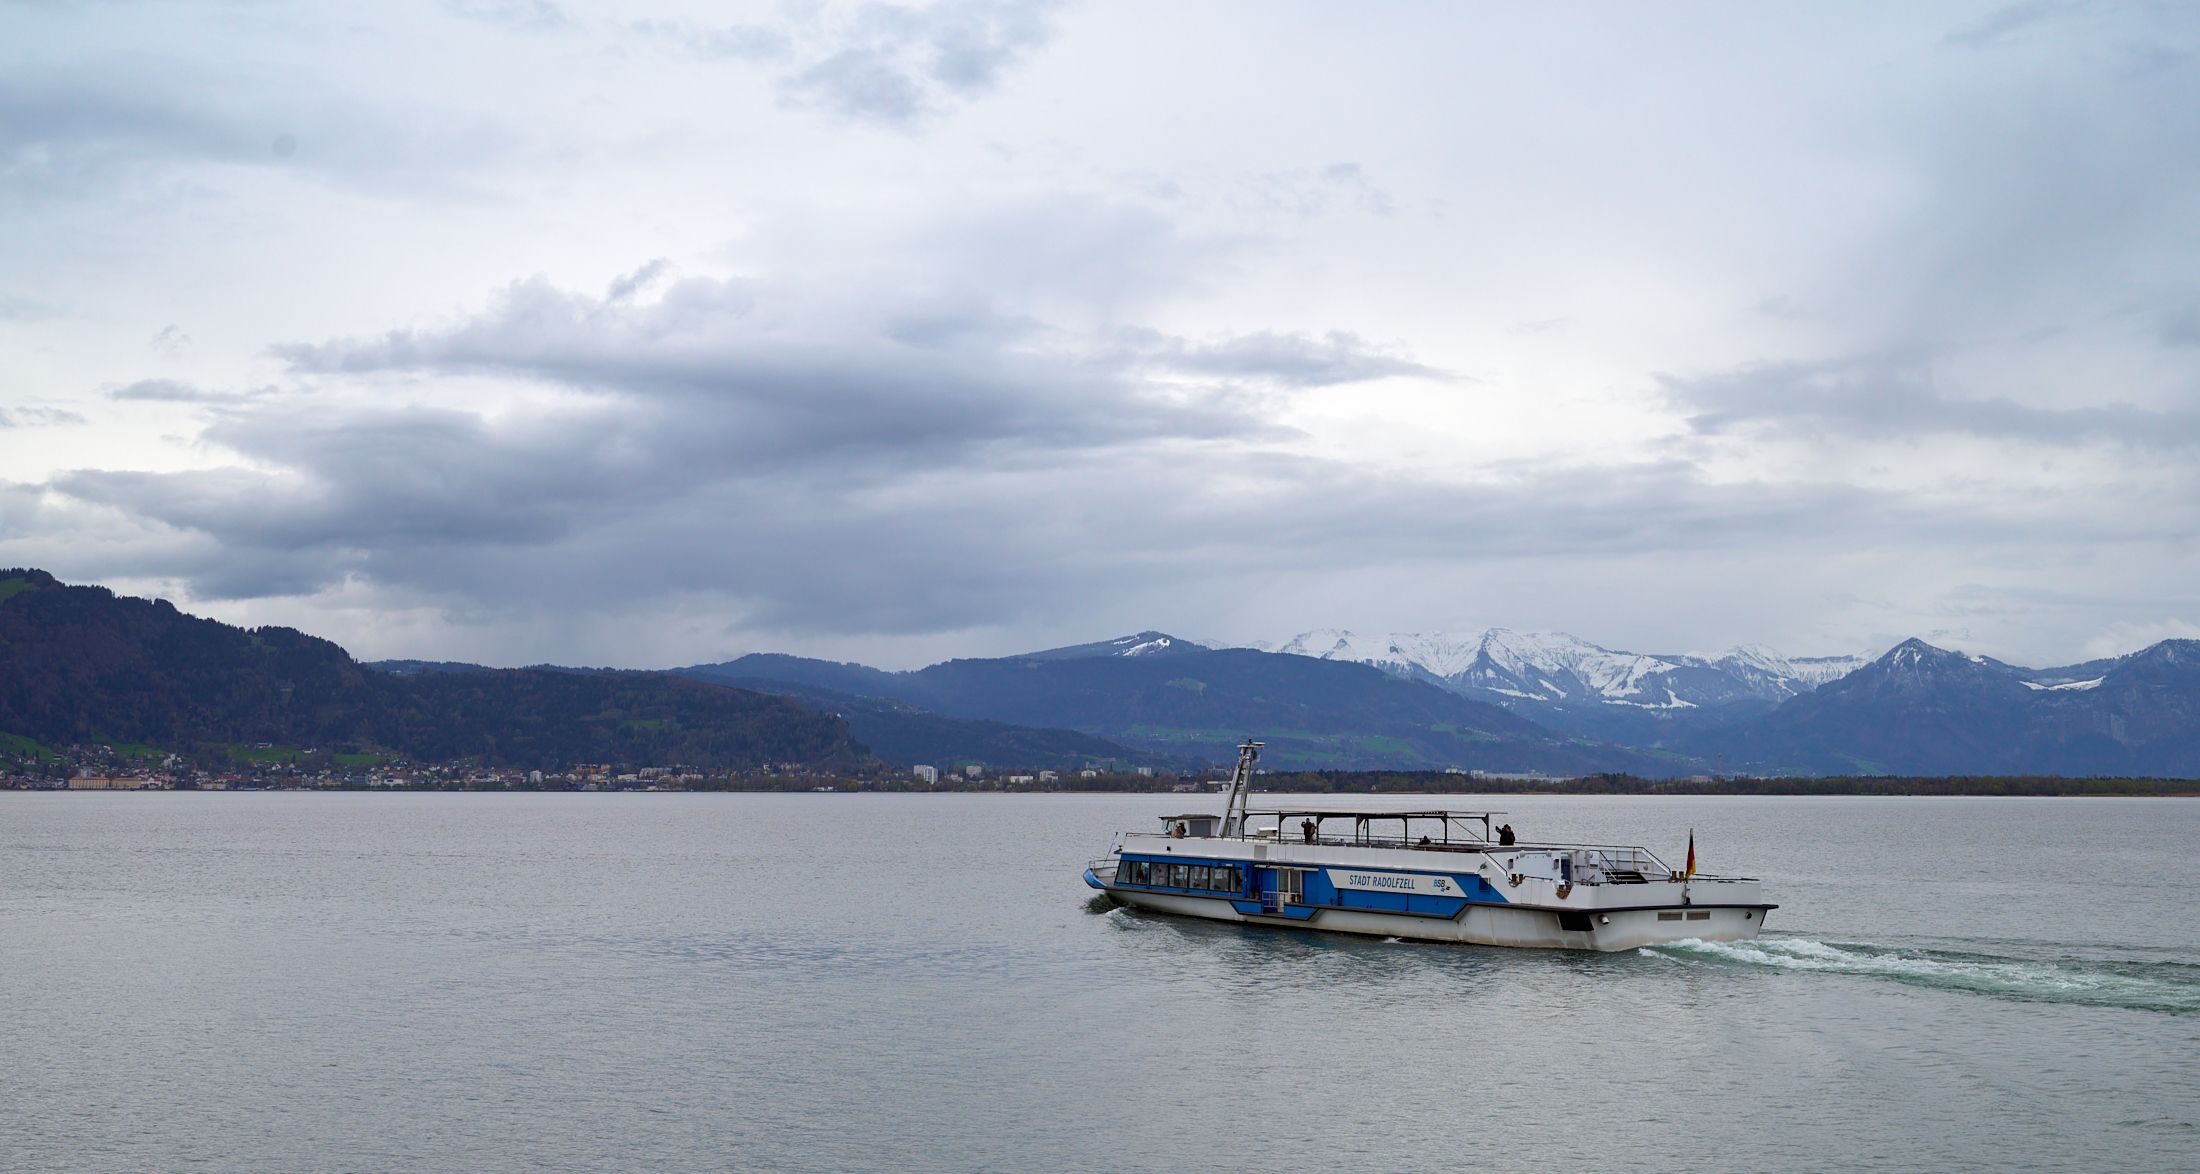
[(1191, 827)]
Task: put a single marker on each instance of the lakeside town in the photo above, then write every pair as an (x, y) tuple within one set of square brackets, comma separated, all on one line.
[(266, 767)]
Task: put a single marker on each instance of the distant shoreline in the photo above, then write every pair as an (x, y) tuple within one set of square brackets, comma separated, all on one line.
[(2021, 788)]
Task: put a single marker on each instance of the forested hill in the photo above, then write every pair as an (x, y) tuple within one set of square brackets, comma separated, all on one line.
[(82, 664)]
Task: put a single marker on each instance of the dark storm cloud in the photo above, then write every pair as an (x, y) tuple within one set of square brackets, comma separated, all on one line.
[(933, 349), (584, 509), (775, 442), (1897, 399), (709, 373), (888, 64)]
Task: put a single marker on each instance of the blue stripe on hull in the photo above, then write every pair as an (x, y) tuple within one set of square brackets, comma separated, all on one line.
[(1319, 892)]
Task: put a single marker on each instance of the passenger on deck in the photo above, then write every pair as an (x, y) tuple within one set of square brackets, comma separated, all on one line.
[(1306, 830), (1504, 835), (1423, 843), (1177, 832)]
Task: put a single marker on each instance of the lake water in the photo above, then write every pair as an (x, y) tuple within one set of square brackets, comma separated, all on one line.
[(292, 982)]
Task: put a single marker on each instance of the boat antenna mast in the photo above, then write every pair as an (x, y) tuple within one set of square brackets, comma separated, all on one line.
[(1241, 785)]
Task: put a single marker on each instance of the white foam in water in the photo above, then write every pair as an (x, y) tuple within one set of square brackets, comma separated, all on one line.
[(2137, 985)]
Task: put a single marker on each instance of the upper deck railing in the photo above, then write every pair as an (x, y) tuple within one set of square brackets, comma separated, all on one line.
[(1603, 863)]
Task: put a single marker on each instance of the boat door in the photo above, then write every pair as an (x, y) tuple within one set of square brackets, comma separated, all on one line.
[(1280, 887)]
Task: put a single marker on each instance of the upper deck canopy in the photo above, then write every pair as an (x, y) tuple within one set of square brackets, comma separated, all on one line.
[(1440, 828)]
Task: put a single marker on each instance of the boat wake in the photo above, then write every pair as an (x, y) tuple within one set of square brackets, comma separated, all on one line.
[(2169, 987)]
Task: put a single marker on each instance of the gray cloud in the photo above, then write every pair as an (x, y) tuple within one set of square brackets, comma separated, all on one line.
[(1288, 359), (534, 16), (713, 376), (124, 125), (1894, 398), (1313, 191), (576, 512), (626, 285), (38, 417), (737, 42), (2008, 23), (2180, 324), (174, 391), (969, 381), (15, 309), (761, 434), (888, 64)]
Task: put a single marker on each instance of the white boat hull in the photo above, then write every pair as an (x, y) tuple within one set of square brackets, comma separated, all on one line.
[(1484, 925)]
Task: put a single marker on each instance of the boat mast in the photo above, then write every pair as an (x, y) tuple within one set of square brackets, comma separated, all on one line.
[(1241, 785)]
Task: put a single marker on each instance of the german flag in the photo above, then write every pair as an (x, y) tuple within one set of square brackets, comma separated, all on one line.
[(1691, 855)]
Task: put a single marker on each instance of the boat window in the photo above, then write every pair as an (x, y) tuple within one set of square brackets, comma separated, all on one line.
[(1142, 872), (1177, 875)]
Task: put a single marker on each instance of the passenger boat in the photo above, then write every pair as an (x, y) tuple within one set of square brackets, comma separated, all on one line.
[(1446, 876)]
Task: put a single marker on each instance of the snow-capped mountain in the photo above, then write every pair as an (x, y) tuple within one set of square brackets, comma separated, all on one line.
[(1142, 644), (1557, 668), (1572, 684), (1919, 709), (1785, 675), (1437, 657)]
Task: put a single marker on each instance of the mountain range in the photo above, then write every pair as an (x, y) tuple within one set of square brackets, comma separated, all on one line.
[(1575, 687), (1172, 699), (1919, 709), (83, 664), (1537, 702)]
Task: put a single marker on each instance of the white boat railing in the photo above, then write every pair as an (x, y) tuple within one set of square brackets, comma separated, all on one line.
[(1594, 864)]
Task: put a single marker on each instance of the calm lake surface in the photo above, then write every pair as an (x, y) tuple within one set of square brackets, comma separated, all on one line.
[(291, 982)]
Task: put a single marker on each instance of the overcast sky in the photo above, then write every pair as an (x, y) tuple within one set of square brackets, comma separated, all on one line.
[(654, 333)]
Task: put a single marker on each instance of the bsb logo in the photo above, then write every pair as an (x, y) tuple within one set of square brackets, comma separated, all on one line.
[(1443, 885)]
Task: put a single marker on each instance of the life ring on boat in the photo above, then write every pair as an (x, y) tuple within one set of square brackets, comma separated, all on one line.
[(1517, 878), (1563, 890)]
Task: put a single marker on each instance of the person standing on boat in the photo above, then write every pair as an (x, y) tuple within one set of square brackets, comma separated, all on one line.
[(1504, 835), (1306, 830)]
